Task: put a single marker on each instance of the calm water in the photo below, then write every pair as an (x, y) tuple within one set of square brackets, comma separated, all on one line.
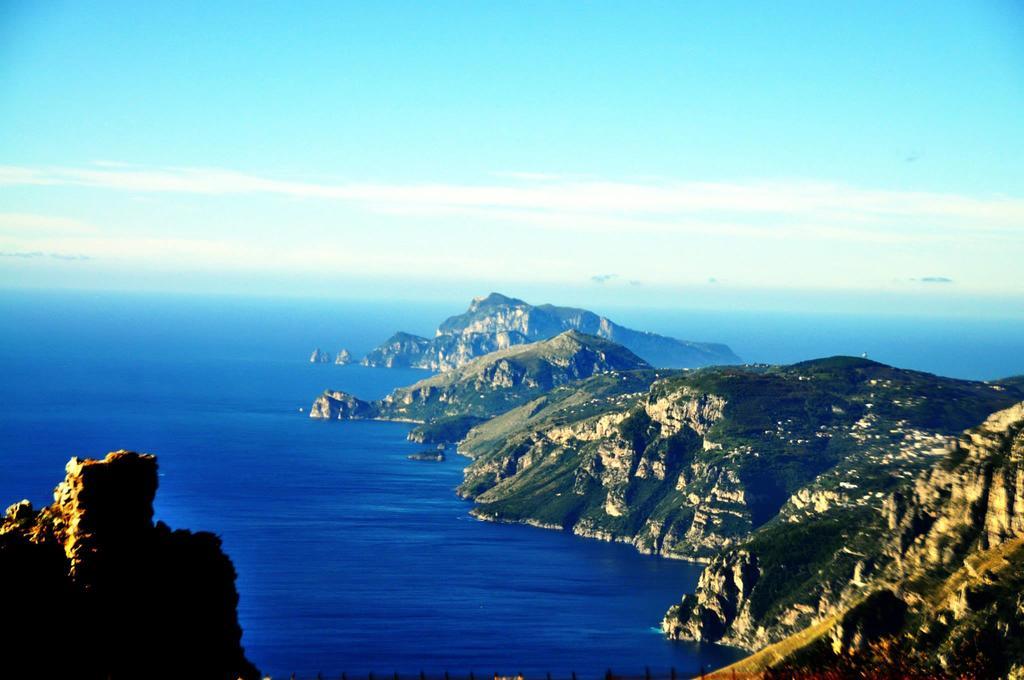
[(350, 557)]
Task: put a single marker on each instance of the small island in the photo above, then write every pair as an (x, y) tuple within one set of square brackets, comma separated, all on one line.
[(319, 357), (344, 358)]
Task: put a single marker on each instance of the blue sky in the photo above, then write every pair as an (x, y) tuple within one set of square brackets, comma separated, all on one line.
[(785, 153)]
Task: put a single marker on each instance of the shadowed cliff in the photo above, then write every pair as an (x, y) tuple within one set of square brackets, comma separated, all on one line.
[(92, 588)]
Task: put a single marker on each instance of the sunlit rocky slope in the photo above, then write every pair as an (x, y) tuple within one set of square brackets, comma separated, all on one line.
[(688, 464), (930, 585)]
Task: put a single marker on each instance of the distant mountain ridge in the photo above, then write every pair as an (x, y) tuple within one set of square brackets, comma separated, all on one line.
[(496, 322), (486, 386)]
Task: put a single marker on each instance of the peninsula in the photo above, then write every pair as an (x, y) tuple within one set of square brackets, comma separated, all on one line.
[(450, 403)]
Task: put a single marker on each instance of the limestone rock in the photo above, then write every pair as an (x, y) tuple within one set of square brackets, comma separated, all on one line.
[(337, 405), (934, 586), (686, 408), (720, 600)]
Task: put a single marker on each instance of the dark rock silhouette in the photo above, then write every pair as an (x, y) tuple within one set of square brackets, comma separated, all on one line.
[(91, 588)]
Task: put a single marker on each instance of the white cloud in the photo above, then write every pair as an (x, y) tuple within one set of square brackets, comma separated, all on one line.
[(808, 209), (50, 224), (37, 254), (784, 234)]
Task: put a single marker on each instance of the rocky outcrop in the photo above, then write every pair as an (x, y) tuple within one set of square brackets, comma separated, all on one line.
[(978, 503), (972, 504), (685, 409), (496, 322), (319, 357), (344, 358), (719, 603), (338, 405), (92, 588)]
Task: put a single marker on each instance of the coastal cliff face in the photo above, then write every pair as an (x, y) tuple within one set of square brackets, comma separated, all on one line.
[(978, 502), (338, 405), (506, 378), (93, 589), (497, 322), (690, 464), (401, 350), (442, 353), (454, 401), (930, 584)]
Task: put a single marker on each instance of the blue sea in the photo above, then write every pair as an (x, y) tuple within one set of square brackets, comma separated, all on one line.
[(351, 557)]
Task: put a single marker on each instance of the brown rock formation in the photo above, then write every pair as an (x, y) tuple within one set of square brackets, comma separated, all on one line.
[(93, 589)]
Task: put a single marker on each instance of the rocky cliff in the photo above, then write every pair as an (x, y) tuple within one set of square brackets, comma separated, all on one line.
[(928, 585), (402, 350), (338, 405), (92, 588), (452, 402), (344, 358), (319, 357), (689, 464), (496, 322)]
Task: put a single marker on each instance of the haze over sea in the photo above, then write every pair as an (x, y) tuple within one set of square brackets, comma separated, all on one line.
[(350, 557)]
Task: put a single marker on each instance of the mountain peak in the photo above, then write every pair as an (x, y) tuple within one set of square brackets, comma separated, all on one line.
[(493, 300), (496, 321)]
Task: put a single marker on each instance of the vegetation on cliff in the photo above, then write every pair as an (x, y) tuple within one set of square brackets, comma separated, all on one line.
[(848, 524), (687, 464), (452, 402), (939, 595)]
